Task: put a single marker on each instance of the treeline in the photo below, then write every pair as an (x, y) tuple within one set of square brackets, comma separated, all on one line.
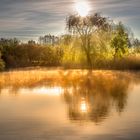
[(92, 42), (15, 54)]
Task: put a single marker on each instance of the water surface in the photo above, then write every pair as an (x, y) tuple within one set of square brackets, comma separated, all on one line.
[(99, 105)]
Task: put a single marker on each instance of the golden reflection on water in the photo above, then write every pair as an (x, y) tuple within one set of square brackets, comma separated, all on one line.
[(95, 95), (70, 104), (89, 95), (50, 91), (83, 106)]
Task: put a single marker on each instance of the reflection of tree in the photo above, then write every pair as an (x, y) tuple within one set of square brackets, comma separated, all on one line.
[(97, 94), (89, 96)]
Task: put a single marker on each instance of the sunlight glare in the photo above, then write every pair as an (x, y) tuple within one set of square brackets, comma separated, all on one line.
[(82, 8), (83, 106)]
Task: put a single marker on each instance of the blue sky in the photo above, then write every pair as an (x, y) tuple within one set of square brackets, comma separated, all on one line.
[(29, 19)]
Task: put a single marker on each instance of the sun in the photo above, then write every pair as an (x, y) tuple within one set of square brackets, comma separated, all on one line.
[(82, 8)]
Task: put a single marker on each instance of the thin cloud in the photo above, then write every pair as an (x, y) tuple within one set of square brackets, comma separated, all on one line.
[(27, 19)]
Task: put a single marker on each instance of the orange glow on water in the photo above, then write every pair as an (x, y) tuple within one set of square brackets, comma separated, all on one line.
[(83, 106)]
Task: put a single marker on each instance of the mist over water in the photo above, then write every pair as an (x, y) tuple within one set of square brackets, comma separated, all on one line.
[(70, 104)]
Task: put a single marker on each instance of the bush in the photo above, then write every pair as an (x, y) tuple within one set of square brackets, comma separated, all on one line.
[(2, 65)]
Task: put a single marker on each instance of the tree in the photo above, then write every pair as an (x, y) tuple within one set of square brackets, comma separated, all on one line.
[(2, 65), (120, 41), (136, 45), (84, 27), (31, 42), (7, 47)]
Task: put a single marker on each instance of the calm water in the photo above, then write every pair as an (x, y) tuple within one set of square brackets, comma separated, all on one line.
[(91, 106)]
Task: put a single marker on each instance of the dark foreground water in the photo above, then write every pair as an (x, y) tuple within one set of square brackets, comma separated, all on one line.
[(90, 107)]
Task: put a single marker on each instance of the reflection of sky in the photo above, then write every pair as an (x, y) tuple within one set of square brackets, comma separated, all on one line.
[(50, 91), (28, 19), (31, 116)]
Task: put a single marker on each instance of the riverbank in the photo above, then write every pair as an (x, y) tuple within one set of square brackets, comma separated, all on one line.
[(29, 77)]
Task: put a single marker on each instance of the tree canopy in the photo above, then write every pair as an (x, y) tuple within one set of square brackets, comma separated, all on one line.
[(84, 27)]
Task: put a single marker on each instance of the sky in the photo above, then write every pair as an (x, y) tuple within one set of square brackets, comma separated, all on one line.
[(29, 19)]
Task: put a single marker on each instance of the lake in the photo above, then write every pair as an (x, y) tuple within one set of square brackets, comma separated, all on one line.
[(69, 105)]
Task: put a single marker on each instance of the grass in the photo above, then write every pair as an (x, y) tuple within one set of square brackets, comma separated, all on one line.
[(55, 76), (125, 63)]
